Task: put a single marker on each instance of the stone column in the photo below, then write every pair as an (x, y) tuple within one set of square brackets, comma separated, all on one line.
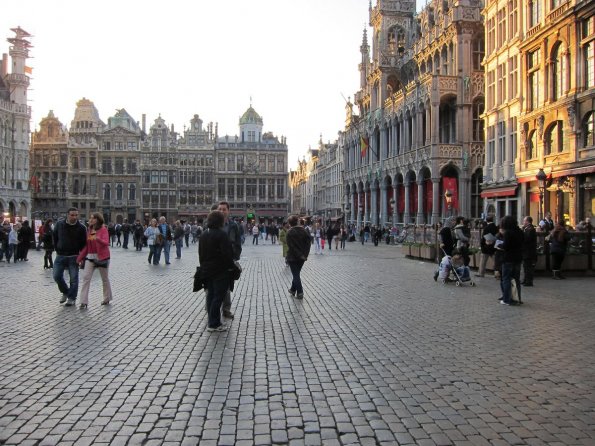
[(374, 203), (383, 205), (435, 123), (435, 200), (428, 126), (420, 202), (396, 206), (406, 214)]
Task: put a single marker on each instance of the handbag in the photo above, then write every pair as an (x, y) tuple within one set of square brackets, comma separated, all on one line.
[(198, 283), (236, 272), (100, 263)]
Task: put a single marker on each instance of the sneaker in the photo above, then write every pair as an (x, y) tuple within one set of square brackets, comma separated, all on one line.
[(291, 292), (64, 298), (219, 328), (504, 303), (299, 296), (70, 303), (227, 314)]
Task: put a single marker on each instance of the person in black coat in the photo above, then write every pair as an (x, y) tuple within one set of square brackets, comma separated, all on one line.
[(487, 242), (215, 256), (298, 249), (25, 236), (447, 241), (48, 244), (529, 250), (512, 256)]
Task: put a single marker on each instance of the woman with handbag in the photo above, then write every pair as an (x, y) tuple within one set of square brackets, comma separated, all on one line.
[(94, 255)]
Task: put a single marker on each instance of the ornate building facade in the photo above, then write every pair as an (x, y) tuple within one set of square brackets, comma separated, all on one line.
[(557, 120), (411, 154), (252, 171), (119, 181), (503, 30), (125, 172), (328, 199), (297, 188), (15, 115)]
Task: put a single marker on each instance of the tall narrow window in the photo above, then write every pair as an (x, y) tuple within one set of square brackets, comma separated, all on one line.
[(478, 125), (478, 54), (501, 141), (533, 65), (512, 18), (558, 72), (534, 13), (589, 130), (513, 77), (588, 51)]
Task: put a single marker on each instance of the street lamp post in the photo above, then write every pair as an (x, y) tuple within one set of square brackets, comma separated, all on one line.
[(541, 178)]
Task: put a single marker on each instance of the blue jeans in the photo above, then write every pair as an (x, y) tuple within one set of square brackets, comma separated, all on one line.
[(296, 283), (179, 245), (157, 254), (166, 246), (216, 289), (60, 264), (510, 272)]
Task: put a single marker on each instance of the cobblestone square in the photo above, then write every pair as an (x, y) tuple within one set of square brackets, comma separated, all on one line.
[(377, 353)]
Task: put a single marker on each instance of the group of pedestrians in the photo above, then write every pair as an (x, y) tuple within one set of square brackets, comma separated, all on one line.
[(513, 249), (15, 241)]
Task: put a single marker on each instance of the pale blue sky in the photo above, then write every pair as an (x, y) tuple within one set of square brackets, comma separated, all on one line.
[(178, 58)]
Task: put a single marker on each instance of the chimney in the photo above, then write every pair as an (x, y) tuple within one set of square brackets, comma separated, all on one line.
[(4, 65), (144, 123)]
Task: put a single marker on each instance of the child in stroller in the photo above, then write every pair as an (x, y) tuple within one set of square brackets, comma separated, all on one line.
[(453, 265)]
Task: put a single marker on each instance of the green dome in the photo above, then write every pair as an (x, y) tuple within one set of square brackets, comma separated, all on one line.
[(250, 117)]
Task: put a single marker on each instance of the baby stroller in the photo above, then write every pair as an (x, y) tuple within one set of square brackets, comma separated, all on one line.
[(448, 272)]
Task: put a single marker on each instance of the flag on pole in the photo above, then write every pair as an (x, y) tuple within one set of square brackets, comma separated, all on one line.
[(364, 146), (28, 70)]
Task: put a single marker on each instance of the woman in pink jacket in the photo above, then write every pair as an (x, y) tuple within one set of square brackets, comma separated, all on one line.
[(94, 255)]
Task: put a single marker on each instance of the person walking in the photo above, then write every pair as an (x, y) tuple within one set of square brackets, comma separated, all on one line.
[(187, 231), (126, 228), (512, 256), (463, 238), (317, 237), (48, 244), (215, 256), (529, 250), (4, 230), (558, 239), (165, 231), (447, 241), (118, 229), (232, 230), (298, 249), (343, 235), (487, 243), (95, 255), (255, 234), (179, 238), (69, 237), (138, 233), (25, 236), (151, 233), (13, 242), (330, 233)]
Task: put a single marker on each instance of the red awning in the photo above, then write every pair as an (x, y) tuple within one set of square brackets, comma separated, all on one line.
[(508, 191)]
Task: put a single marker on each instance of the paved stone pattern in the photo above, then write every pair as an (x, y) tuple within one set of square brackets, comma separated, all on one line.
[(376, 354)]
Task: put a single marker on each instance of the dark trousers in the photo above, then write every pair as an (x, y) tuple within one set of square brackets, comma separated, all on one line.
[(186, 239), (529, 268), (510, 272), (126, 236), (296, 268), (216, 289), (557, 259), (47, 259)]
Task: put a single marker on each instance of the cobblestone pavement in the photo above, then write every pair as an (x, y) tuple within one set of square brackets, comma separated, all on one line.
[(376, 354)]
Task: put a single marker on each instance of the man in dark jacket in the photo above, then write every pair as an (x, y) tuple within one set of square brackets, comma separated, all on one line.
[(529, 250), (512, 256), (233, 232), (298, 249), (126, 228), (216, 260), (70, 236)]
